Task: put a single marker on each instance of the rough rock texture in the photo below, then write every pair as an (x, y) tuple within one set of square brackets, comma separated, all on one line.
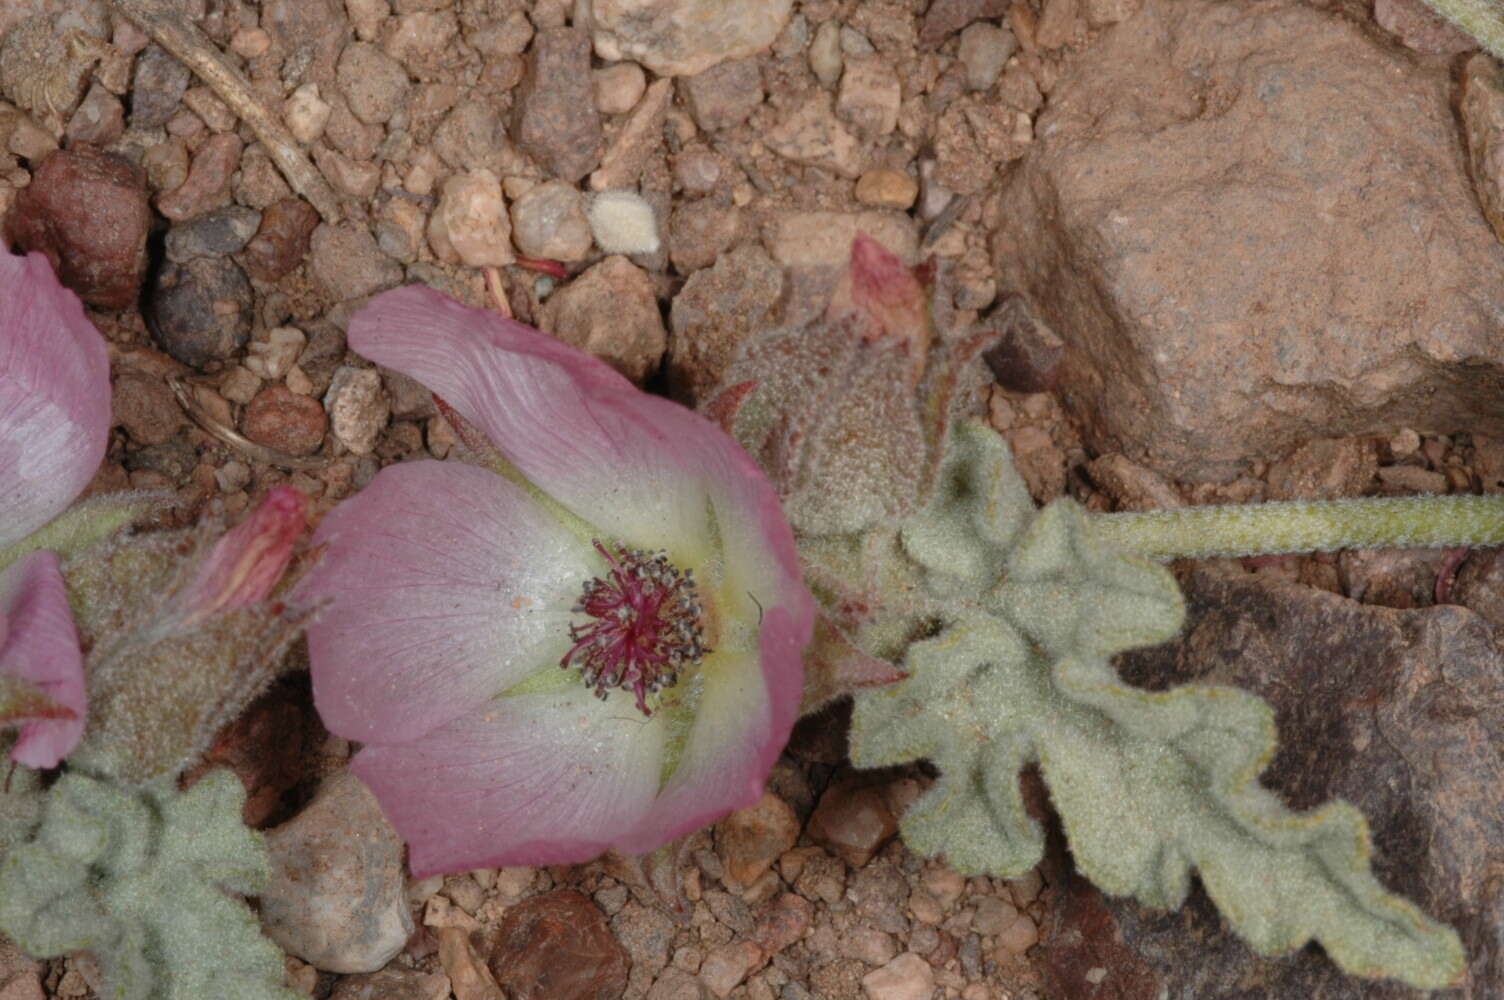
[(610, 311), (200, 310), (558, 945), (1248, 220), (1481, 106), (337, 897), (684, 37), (87, 211), (556, 120), (717, 309), (1399, 712)]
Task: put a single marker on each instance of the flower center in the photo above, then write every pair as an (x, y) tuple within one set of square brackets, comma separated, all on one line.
[(643, 627)]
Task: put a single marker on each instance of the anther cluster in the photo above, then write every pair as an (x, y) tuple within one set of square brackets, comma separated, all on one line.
[(644, 626)]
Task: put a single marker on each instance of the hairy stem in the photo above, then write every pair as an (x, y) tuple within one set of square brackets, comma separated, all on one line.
[(1301, 526)]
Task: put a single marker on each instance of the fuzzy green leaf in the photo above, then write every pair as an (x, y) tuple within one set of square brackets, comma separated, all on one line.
[(140, 877), (1149, 785)]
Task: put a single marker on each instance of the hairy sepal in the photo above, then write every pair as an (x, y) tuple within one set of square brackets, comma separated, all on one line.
[(1149, 785)]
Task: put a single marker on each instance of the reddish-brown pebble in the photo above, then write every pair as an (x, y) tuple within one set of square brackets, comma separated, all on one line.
[(782, 922), (557, 947), (208, 183), (852, 821), (750, 840), (281, 419), (282, 241), (87, 211)]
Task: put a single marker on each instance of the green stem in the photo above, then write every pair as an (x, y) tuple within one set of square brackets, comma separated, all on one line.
[(1301, 526), (1483, 19)]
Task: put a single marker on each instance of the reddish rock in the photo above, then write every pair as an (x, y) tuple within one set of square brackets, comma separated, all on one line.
[(281, 243), (1421, 28), (557, 947), (279, 418), (208, 183), (87, 211), (782, 922), (557, 123), (145, 407), (947, 16), (853, 821), (750, 840)]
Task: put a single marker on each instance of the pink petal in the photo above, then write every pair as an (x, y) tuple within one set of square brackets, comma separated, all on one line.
[(633, 465), (54, 396), (530, 779), (41, 646), (448, 585), (741, 725)]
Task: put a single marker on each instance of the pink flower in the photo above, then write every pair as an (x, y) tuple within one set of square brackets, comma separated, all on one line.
[(614, 533), (54, 425)]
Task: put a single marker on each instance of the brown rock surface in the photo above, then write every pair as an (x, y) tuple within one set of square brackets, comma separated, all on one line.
[(87, 211), (610, 311), (557, 946), (1267, 229), (557, 123)]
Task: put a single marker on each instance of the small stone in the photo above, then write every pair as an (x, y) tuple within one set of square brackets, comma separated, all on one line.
[(282, 240), (812, 135), (985, 49), (1324, 469), (285, 421), (549, 222), (239, 386), (1058, 21), (1028, 354), (219, 233), (259, 184), (749, 840), (166, 164), (346, 261), (870, 95), (907, 977), (618, 87), (887, 188), (145, 407), (200, 310), (674, 984), (782, 921), (1019, 935), (373, 82), (250, 43), (158, 87), (724, 95), (349, 178), (233, 475), (1101, 13), (825, 59), (699, 232), (623, 222), (992, 915), (725, 967), (87, 211), (558, 945), (868, 944), (99, 120), (685, 37), (635, 141), (697, 171), (271, 356), (556, 120), (610, 311), (306, 113), (469, 977), (944, 884), (715, 312), (470, 224), (401, 226), (810, 240), (925, 910), (210, 109), (358, 408), (336, 895), (208, 183), (439, 912)]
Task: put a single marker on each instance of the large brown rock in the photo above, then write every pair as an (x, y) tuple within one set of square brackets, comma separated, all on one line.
[(87, 211), (1399, 712), (556, 121), (1248, 220), (557, 946)]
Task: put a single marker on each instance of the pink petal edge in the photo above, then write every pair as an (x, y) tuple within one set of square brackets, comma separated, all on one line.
[(41, 646), (447, 585), (54, 396)]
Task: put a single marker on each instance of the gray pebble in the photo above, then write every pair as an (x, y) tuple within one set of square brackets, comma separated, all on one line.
[(218, 233), (158, 88), (200, 310)]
